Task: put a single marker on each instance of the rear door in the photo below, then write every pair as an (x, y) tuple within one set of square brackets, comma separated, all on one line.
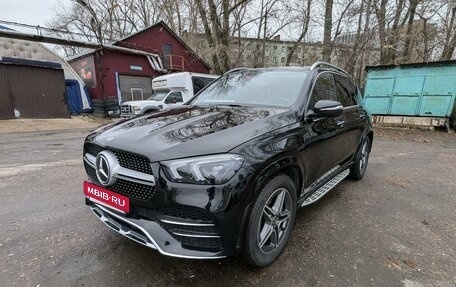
[(353, 117)]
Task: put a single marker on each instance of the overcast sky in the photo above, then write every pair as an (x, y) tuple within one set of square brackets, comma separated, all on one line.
[(33, 12)]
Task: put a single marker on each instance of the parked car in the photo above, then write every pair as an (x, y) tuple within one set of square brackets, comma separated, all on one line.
[(226, 172), (169, 90)]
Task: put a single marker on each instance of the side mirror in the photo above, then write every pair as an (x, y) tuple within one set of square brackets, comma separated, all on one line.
[(328, 108)]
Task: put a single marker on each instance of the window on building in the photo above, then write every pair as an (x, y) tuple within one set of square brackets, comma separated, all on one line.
[(299, 50), (283, 48), (267, 49), (275, 61), (282, 60), (167, 51), (137, 94), (275, 48)]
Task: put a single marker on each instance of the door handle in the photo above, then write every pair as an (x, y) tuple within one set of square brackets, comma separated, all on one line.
[(362, 116), (340, 123)]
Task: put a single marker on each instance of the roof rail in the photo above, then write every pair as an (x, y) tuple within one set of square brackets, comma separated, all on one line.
[(323, 64), (237, 69)]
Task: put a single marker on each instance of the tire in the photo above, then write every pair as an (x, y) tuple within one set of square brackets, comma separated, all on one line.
[(359, 168), (261, 249)]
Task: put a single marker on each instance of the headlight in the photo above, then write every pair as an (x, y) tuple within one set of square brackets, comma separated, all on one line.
[(136, 110), (215, 169)]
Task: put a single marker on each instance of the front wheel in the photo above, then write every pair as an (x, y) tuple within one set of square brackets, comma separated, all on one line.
[(271, 221), (358, 169)]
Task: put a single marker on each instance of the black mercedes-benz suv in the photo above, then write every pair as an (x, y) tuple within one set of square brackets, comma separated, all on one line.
[(225, 173)]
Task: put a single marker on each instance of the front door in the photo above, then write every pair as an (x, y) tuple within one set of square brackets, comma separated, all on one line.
[(353, 118), (321, 153)]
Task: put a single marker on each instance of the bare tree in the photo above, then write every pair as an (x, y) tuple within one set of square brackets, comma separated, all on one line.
[(216, 22), (239, 32), (449, 44), (327, 30), (413, 4), (305, 12)]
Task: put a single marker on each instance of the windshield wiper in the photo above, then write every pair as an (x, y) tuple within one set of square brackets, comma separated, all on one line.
[(235, 105), (228, 105)]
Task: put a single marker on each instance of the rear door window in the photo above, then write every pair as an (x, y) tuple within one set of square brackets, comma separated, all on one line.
[(345, 93)]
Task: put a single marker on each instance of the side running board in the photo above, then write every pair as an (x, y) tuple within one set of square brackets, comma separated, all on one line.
[(319, 193)]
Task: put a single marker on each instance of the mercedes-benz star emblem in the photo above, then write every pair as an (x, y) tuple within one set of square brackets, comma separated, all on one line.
[(104, 163)]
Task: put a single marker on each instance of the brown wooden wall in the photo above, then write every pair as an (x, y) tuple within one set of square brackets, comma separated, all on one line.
[(35, 92)]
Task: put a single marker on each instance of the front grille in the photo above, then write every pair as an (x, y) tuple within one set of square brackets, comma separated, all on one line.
[(125, 109), (187, 216), (133, 161), (92, 149), (126, 159), (124, 187)]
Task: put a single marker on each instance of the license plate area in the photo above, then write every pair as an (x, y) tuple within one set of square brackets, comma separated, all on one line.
[(106, 197)]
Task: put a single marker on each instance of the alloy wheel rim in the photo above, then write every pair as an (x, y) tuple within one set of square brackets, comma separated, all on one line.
[(364, 156), (274, 220)]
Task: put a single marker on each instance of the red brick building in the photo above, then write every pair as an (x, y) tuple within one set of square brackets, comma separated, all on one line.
[(115, 74)]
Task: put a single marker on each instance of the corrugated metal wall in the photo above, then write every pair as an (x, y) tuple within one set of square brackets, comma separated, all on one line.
[(426, 90), (6, 103), (34, 92)]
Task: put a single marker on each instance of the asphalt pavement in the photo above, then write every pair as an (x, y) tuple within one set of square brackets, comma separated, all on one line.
[(396, 227)]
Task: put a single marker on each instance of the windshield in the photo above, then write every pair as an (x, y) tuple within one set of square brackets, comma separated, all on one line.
[(254, 87), (158, 96)]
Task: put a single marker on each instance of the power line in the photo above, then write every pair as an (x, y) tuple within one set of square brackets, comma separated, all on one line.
[(38, 29)]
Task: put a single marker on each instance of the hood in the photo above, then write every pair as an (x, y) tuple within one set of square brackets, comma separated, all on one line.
[(188, 131)]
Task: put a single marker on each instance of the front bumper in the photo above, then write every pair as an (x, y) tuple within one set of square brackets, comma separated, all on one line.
[(181, 220), (127, 116), (149, 233)]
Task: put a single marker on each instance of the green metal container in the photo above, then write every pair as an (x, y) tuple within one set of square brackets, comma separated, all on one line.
[(423, 90)]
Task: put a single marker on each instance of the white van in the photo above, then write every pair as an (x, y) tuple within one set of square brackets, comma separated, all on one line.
[(169, 90)]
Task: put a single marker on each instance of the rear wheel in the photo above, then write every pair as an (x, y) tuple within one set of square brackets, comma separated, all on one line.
[(271, 221), (358, 169)]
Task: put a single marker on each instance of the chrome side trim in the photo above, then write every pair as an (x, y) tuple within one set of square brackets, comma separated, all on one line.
[(110, 213), (124, 173), (185, 223), (320, 179), (195, 235), (332, 108)]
